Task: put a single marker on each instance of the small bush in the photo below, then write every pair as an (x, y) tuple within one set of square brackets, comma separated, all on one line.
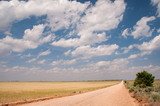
[(144, 79)]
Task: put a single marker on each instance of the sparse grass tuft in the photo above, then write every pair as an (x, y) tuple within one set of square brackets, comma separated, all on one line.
[(147, 94), (155, 96)]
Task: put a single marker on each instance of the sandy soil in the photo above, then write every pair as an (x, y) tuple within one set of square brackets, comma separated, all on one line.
[(116, 95)]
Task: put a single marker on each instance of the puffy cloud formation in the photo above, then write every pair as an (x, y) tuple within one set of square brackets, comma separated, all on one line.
[(88, 51), (141, 54), (116, 64), (100, 18), (98, 70), (157, 3), (145, 48), (151, 45), (90, 21), (32, 39), (84, 40), (60, 14), (97, 19), (141, 29)]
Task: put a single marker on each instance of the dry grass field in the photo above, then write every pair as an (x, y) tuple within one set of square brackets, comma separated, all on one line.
[(27, 91)]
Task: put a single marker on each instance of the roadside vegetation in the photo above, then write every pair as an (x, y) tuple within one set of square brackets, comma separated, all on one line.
[(12, 92), (145, 89)]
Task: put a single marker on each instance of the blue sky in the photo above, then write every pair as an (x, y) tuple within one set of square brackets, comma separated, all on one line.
[(58, 40)]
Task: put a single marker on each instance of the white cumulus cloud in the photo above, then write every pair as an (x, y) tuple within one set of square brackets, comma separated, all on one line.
[(151, 45), (59, 14), (142, 28), (32, 39), (92, 26), (145, 48), (88, 51), (157, 3)]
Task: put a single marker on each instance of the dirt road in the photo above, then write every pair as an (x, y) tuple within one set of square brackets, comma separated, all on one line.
[(116, 95)]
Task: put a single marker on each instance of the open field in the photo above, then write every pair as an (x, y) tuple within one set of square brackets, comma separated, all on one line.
[(116, 95), (27, 91), (148, 94)]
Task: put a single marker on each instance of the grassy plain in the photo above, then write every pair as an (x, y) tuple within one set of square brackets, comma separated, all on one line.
[(28, 91)]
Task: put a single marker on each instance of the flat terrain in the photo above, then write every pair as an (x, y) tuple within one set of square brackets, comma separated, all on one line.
[(116, 95), (27, 91)]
